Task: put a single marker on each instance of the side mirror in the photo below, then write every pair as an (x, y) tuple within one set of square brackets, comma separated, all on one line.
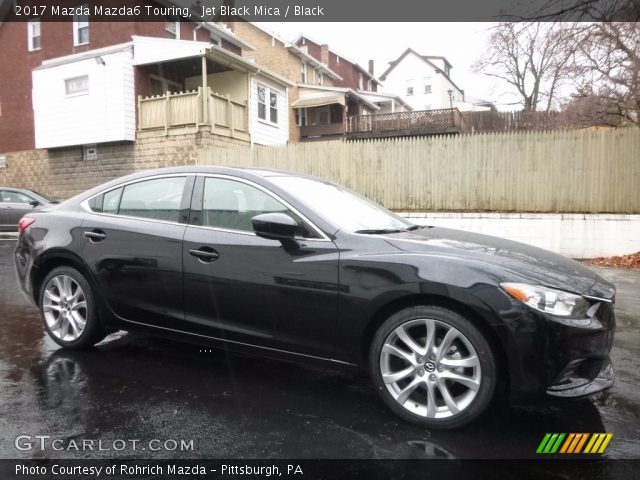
[(34, 203), (275, 226)]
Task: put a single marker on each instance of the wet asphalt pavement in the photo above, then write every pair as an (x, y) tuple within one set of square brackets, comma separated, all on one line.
[(135, 387)]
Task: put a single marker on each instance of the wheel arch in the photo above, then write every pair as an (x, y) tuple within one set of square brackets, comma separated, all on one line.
[(457, 306), (53, 259)]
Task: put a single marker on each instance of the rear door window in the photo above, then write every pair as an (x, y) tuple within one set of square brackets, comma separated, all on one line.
[(158, 199)]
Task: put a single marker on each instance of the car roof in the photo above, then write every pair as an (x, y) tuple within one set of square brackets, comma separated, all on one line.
[(261, 172), (248, 173)]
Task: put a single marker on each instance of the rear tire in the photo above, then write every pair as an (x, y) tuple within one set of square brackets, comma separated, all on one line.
[(68, 309), (433, 367)]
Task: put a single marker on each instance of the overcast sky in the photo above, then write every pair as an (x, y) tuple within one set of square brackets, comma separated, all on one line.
[(462, 43)]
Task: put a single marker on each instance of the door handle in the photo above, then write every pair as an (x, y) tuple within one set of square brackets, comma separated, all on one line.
[(95, 235), (207, 256)]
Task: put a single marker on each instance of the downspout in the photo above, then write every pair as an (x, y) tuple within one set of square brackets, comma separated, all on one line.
[(205, 91), (198, 27), (250, 77)]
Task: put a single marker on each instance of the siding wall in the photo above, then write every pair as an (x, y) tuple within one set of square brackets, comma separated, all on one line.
[(413, 67), (563, 171), (16, 64), (105, 114)]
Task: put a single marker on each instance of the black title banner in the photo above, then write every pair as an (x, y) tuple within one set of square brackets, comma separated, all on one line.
[(322, 10), (599, 469)]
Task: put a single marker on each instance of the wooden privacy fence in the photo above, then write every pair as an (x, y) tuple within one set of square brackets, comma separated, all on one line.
[(560, 171), (490, 121)]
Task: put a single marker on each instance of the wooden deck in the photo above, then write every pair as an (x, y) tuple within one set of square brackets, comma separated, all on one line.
[(406, 124), (189, 112)]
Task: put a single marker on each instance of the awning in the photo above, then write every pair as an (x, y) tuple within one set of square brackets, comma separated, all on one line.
[(318, 98)]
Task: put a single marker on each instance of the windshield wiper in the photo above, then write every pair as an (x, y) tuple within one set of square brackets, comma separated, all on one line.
[(379, 231)]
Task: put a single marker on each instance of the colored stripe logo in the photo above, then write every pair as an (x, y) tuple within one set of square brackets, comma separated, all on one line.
[(574, 443)]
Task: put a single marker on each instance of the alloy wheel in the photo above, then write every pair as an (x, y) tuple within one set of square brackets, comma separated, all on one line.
[(65, 308), (430, 368)]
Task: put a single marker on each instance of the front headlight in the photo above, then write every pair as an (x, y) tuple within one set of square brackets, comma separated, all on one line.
[(548, 300)]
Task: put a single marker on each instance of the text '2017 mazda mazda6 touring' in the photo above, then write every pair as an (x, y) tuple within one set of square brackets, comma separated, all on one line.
[(289, 265)]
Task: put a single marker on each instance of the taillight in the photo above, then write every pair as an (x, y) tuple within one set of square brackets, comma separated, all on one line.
[(24, 223)]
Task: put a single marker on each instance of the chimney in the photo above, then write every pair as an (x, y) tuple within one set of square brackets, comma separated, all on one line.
[(324, 54), (371, 67)]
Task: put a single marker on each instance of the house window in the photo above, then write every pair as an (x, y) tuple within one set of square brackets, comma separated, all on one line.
[(81, 29), (427, 84), (303, 72), (76, 86), (172, 28), (301, 117), (267, 105), (160, 86), (33, 35), (320, 78), (324, 115), (368, 85), (360, 81), (409, 86)]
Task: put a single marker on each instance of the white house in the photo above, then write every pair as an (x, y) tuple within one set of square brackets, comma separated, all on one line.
[(85, 98), (424, 82), (90, 98)]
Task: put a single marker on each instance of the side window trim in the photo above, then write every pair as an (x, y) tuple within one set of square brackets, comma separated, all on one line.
[(95, 204), (185, 202), (195, 216)]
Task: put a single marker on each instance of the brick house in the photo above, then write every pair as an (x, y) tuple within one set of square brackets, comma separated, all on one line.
[(121, 96), (353, 75), (320, 102)]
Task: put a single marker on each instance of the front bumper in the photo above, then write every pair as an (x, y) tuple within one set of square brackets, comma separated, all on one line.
[(551, 357), (577, 385)]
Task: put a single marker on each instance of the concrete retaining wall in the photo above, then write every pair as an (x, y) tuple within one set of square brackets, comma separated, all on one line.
[(572, 235)]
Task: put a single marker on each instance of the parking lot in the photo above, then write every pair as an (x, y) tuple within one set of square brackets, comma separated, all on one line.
[(134, 387)]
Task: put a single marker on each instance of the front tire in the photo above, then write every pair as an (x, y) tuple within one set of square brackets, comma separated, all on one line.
[(433, 367), (68, 309)]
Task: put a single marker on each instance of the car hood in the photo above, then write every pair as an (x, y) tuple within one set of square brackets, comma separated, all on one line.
[(525, 262)]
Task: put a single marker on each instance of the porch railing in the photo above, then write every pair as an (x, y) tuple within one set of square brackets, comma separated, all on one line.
[(322, 130), (185, 112), (419, 122)]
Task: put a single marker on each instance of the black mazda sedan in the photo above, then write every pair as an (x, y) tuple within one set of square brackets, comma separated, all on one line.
[(291, 266)]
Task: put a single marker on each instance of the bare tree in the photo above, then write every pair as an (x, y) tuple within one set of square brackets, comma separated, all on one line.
[(607, 63), (585, 10), (586, 109), (531, 57)]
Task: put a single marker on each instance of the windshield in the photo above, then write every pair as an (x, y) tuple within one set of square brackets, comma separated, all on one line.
[(344, 208)]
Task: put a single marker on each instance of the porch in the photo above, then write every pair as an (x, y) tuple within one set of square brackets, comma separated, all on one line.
[(322, 111), (406, 124), (191, 112)]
